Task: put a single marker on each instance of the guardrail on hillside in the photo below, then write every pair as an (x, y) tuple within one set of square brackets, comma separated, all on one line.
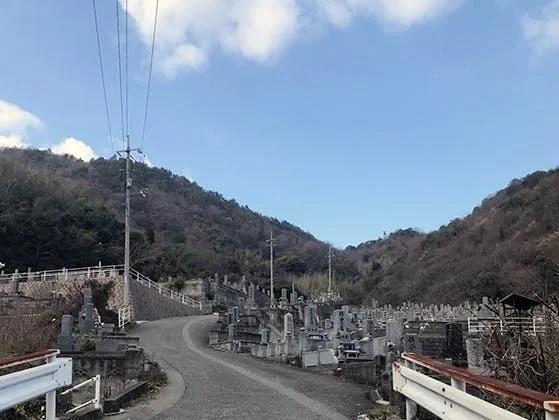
[(96, 272), (529, 325), (96, 400), (28, 384), (453, 402)]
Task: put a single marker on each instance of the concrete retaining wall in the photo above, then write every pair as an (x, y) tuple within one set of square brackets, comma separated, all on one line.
[(149, 305)]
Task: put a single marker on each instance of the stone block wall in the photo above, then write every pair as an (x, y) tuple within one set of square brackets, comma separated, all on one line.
[(47, 289), (368, 373), (147, 304)]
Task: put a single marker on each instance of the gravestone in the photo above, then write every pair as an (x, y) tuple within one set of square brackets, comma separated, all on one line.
[(412, 344), (454, 341), (476, 361), (288, 325), (311, 325), (15, 285), (65, 341), (293, 298), (235, 315), (264, 335), (88, 315), (251, 298), (231, 331)]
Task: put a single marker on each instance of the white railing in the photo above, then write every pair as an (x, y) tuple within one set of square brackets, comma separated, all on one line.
[(124, 316), (81, 273), (96, 400), (107, 271), (531, 325), (28, 384), (452, 401), (165, 291)]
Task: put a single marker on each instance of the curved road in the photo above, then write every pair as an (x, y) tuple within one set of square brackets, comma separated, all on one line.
[(209, 384)]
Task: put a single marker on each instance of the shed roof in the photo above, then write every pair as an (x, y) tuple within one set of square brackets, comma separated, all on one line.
[(520, 302)]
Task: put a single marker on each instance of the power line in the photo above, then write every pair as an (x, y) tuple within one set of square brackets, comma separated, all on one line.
[(120, 73), (150, 70), (126, 62), (103, 76)]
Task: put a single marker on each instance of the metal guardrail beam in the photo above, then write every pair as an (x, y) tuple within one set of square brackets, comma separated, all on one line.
[(28, 358), (25, 385), (421, 389), (443, 400)]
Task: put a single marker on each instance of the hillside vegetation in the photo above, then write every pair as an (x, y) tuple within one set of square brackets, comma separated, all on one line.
[(509, 242), (62, 212), (58, 211)]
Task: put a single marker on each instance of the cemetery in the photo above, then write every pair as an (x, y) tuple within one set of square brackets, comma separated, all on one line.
[(362, 343)]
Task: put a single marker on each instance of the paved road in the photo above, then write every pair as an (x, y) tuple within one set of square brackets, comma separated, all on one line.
[(208, 384)]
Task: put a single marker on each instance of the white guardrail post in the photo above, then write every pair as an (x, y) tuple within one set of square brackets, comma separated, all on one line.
[(411, 405)]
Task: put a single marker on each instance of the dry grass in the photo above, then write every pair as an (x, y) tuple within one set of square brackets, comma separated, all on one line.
[(26, 327)]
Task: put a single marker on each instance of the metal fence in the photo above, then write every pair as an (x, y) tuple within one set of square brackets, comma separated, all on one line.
[(529, 325), (124, 316), (96, 400), (453, 402)]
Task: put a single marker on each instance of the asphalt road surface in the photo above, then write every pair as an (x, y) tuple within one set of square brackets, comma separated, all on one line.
[(210, 384)]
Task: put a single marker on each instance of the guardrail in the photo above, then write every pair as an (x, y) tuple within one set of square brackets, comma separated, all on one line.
[(165, 291), (96, 400), (453, 402), (124, 316), (62, 274), (529, 325), (27, 384), (106, 271)]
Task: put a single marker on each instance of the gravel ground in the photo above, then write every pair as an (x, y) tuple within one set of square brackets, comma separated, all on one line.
[(208, 384)]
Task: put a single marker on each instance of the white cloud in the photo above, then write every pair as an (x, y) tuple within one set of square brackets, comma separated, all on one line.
[(183, 57), (13, 141), (74, 147), (397, 14), (14, 124), (542, 32), (258, 30)]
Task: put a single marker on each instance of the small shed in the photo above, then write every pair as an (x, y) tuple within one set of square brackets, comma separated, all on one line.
[(516, 305)]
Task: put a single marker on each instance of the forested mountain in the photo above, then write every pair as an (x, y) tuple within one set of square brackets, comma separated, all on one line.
[(59, 211), (509, 242)]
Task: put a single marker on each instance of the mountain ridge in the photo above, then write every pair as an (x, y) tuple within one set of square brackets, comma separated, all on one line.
[(59, 211)]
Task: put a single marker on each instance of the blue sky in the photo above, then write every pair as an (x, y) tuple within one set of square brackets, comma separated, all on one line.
[(346, 117)]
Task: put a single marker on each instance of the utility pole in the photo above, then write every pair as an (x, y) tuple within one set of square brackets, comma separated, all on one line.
[(330, 254), (271, 242), (127, 191), (128, 186)]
